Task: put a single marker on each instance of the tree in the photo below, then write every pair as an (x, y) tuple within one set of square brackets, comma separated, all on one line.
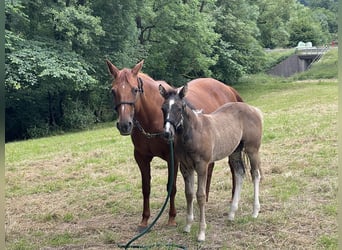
[(272, 21), (238, 48), (179, 37), (43, 75), (303, 27)]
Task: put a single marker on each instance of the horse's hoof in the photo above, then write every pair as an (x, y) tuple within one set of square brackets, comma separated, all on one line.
[(172, 223)]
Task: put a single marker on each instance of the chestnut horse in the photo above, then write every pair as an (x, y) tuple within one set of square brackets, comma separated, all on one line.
[(204, 138), (138, 103)]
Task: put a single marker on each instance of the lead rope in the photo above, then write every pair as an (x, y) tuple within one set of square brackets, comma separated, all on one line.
[(169, 190)]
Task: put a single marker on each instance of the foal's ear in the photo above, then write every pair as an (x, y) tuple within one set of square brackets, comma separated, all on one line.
[(183, 91), (162, 91), (137, 68), (114, 71)]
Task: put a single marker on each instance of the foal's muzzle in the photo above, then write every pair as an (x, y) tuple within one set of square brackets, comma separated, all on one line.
[(169, 130)]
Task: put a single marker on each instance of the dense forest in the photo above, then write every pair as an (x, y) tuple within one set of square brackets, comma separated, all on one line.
[(56, 76)]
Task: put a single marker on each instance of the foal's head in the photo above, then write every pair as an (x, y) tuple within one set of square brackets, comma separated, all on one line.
[(173, 108), (126, 88)]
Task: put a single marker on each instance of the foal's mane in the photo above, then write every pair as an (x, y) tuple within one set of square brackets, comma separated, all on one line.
[(174, 92)]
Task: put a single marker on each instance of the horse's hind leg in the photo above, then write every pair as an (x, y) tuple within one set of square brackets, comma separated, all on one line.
[(256, 177), (235, 161), (188, 175)]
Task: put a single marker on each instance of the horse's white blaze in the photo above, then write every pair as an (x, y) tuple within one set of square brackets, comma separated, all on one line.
[(168, 124), (167, 127), (171, 103), (122, 108)]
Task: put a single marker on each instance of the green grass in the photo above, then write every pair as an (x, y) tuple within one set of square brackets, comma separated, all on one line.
[(83, 190)]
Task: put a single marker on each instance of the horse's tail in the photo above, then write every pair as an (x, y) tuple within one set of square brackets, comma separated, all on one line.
[(245, 160), (237, 95)]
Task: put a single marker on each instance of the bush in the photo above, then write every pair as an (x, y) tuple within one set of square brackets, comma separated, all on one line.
[(37, 131), (77, 116)]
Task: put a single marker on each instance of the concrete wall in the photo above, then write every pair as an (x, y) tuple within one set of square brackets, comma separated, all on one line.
[(290, 66)]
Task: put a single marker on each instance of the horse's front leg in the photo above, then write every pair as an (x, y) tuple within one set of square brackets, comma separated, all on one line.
[(201, 198), (145, 171), (172, 211), (188, 175)]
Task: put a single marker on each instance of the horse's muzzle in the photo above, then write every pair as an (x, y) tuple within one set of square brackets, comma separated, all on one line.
[(125, 128)]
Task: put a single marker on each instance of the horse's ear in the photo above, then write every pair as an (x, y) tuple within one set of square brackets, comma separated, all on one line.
[(137, 68), (114, 71), (183, 91), (162, 91)]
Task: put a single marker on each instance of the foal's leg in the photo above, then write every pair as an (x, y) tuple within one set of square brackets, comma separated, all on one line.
[(188, 175), (235, 161), (209, 175), (256, 176), (172, 211), (233, 178), (201, 199)]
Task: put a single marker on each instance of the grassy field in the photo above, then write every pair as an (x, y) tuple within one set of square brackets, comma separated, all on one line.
[(83, 190)]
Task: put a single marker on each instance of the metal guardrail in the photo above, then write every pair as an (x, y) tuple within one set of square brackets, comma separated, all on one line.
[(319, 55), (311, 50)]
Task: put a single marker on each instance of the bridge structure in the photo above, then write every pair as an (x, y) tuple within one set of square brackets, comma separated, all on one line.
[(300, 61)]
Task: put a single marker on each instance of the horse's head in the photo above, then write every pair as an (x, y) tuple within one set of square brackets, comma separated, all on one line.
[(126, 87), (173, 108)]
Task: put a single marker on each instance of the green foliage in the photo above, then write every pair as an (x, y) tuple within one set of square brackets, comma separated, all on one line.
[(77, 26), (55, 49), (184, 33), (272, 22), (39, 76), (77, 116), (304, 28), (238, 49)]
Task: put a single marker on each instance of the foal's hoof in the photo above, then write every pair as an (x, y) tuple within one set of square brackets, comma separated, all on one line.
[(201, 237), (187, 229)]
